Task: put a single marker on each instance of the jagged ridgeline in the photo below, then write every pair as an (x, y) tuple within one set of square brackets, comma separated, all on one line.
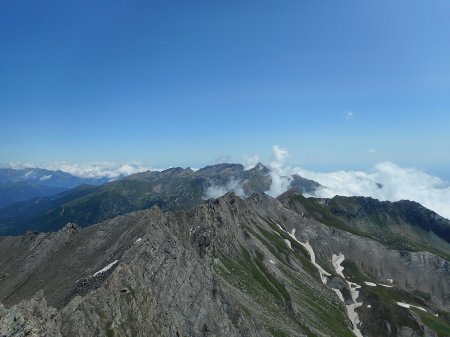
[(232, 266), (172, 189)]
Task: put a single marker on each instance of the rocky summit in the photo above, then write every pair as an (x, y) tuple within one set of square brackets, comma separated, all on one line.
[(232, 266)]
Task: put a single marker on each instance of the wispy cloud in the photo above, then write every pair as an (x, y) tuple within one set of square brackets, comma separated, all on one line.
[(224, 158), (216, 191), (349, 115), (249, 161)]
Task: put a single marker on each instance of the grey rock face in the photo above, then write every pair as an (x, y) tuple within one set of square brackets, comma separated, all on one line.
[(228, 267), (30, 318)]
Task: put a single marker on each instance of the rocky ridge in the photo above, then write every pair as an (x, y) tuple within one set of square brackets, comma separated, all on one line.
[(229, 267)]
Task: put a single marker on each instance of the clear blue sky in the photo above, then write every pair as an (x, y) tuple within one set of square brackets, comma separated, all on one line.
[(183, 82)]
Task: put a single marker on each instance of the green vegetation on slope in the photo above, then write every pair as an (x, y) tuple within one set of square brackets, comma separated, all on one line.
[(274, 300), (346, 213), (441, 328), (384, 305)]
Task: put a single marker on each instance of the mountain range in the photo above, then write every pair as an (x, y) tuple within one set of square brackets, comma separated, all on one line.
[(171, 189), (155, 254), (27, 183)]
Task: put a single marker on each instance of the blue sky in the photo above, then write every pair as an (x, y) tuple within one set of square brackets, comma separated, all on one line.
[(188, 82)]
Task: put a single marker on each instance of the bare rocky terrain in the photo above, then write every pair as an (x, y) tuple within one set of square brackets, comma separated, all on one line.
[(228, 267)]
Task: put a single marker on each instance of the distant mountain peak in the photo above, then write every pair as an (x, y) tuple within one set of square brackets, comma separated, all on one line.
[(260, 168)]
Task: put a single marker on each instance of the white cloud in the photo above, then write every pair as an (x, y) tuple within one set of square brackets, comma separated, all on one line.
[(280, 176), (349, 115), (250, 161), (90, 170), (385, 181), (216, 191)]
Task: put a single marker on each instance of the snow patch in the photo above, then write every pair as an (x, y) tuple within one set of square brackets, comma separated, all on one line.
[(409, 306), (370, 284), (369, 306), (384, 285), (323, 274), (336, 260), (390, 280), (105, 269), (339, 294), (138, 240), (288, 243), (271, 262)]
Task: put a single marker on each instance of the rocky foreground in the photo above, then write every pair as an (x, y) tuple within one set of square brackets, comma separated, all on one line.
[(229, 267)]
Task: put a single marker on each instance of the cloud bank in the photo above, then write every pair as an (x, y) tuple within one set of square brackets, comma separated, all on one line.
[(90, 170), (385, 181)]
